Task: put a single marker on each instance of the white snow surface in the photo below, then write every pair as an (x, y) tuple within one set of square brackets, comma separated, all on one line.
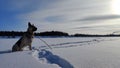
[(66, 52)]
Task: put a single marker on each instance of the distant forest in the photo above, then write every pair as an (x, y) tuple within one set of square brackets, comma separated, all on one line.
[(20, 33), (13, 34)]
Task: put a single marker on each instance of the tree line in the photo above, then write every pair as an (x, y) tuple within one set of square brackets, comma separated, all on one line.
[(52, 33), (95, 35), (20, 33)]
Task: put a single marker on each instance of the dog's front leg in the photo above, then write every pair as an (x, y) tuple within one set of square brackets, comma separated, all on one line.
[(30, 47)]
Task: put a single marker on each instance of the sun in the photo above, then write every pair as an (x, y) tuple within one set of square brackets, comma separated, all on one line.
[(115, 4)]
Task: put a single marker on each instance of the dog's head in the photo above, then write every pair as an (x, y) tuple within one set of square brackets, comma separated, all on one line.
[(31, 27)]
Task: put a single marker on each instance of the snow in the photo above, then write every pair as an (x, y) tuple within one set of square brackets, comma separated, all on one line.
[(74, 52), (54, 59), (20, 60)]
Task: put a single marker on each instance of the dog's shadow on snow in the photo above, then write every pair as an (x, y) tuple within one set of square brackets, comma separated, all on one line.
[(54, 59), (5, 51)]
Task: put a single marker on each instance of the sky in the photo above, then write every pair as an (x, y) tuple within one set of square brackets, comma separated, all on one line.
[(71, 16)]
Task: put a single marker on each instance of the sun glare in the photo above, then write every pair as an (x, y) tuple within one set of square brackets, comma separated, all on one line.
[(116, 7)]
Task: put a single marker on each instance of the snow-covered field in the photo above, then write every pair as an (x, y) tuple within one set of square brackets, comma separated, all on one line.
[(81, 52)]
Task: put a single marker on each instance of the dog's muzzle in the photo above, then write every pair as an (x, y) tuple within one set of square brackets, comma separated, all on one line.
[(35, 29)]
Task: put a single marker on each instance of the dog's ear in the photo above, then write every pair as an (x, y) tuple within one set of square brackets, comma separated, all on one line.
[(29, 24)]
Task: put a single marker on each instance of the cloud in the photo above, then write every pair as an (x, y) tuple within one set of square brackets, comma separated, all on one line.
[(95, 27), (100, 17), (98, 28), (64, 14), (25, 6), (63, 11), (54, 19)]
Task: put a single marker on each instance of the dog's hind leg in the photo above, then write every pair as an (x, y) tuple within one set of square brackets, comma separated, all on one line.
[(15, 48)]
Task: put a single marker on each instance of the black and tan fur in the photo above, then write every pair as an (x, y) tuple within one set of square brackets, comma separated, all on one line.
[(25, 40)]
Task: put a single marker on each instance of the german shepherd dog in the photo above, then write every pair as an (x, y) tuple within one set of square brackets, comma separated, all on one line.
[(25, 40)]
